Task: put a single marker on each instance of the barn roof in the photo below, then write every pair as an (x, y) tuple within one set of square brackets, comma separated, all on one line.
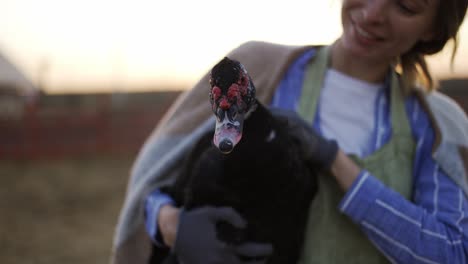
[(12, 79)]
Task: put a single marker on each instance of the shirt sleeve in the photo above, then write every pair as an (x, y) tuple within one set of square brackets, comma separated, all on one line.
[(154, 201), (432, 228)]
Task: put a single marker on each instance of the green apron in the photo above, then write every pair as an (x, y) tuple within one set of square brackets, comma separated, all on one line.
[(331, 237)]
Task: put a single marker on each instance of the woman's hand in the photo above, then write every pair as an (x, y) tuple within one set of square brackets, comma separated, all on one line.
[(316, 149), (344, 170), (168, 220), (193, 238)]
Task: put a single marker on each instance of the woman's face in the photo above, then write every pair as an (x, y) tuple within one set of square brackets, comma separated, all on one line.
[(385, 29)]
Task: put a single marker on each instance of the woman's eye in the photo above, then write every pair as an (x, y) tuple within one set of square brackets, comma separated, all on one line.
[(406, 9)]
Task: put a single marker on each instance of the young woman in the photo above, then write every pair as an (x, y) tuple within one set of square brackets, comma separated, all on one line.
[(396, 188)]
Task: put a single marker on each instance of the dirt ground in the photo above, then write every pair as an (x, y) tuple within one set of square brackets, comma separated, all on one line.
[(60, 211)]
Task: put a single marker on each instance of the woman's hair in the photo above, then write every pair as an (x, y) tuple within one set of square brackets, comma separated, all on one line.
[(413, 65)]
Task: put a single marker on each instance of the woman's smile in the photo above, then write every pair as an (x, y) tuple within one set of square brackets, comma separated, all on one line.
[(365, 37)]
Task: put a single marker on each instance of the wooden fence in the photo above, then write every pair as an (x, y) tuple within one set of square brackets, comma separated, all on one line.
[(57, 128)]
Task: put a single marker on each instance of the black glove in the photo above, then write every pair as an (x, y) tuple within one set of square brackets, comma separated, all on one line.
[(316, 149), (197, 243)]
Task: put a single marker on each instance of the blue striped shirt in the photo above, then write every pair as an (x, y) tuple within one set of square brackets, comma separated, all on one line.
[(431, 228)]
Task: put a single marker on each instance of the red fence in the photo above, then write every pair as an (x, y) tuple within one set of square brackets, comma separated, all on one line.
[(54, 131)]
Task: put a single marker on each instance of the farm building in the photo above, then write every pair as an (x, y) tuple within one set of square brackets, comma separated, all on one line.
[(16, 91)]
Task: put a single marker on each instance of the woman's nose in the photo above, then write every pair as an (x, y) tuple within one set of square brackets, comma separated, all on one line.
[(375, 11)]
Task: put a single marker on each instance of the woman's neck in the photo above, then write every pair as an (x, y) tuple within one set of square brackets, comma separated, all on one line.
[(366, 70)]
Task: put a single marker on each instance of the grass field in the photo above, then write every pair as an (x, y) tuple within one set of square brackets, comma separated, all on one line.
[(60, 211)]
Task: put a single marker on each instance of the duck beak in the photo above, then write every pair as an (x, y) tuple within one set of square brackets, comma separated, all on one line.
[(228, 132)]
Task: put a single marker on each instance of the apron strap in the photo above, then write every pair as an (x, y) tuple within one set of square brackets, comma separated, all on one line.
[(313, 82)]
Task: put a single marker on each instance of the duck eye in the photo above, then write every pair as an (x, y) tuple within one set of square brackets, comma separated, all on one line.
[(242, 81), (219, 114)]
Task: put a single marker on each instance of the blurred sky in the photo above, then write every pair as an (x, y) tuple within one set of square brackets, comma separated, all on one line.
[(117, 45)]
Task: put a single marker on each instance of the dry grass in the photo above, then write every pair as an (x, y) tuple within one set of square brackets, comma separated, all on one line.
[(60, 211)]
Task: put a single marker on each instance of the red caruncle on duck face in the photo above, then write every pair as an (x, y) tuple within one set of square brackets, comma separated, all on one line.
[(233, 95)]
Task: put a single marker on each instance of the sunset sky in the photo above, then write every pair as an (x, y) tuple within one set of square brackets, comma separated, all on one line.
[(112, 45)]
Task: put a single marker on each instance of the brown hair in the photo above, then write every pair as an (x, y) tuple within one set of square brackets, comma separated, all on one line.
[(413, 65)]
